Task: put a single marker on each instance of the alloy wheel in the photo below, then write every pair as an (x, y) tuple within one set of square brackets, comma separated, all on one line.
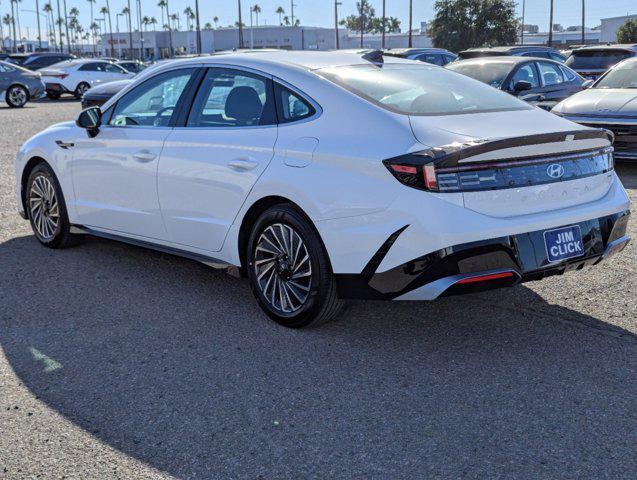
[(44, 207), (18, 96), (283, 268)]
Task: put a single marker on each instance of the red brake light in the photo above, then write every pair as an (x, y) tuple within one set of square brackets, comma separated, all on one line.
[(404, 169), (486, 278), (429, 172)]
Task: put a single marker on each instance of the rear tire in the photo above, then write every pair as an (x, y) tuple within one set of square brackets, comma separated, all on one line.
[(81, 89), (17, 96), (289, 270), (46, 208)]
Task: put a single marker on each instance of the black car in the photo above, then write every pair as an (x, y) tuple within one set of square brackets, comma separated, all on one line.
[(35, 61), (436, 56), (539, 81), (99, 95), (515, 51), (592, 62)]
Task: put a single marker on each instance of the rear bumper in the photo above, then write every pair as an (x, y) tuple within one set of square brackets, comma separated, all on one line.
[(56, 88), (482, 265)]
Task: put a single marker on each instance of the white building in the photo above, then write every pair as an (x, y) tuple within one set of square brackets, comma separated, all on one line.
[(611, 25)]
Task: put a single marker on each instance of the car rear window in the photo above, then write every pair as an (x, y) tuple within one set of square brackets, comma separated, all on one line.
[(487, 72), (596, 59), (420, 89)]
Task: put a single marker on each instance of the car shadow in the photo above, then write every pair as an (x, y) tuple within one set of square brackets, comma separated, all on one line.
[(627, 172), (173, 363)]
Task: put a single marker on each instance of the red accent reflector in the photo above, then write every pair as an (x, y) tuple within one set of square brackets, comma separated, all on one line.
[(429, 172), (404, 169), (486, 278)]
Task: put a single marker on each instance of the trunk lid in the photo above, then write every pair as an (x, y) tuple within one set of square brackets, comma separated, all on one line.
[(542, 163)]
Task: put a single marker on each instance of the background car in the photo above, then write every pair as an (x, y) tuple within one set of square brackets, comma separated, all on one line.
[(611, 103), (536, 51), (36, 61), (435, 56), (75, 77), (133, 66), (541, 82), (592, 62), (19, 85), (100, 94)]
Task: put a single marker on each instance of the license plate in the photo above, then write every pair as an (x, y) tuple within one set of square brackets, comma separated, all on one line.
[(563, 243)]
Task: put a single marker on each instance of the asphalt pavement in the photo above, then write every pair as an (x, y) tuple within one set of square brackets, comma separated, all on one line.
[(120, 362)]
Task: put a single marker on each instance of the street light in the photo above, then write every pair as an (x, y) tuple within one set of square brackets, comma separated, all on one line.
[(336, 4), (47, 22)]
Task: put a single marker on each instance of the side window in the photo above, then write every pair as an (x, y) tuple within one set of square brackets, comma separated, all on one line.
[(526, 73), (551, 73), (110, 68), (231, 98), (449, 58), (568, 74), (292, 107), (89, 67), (152, 103), (430, 58)]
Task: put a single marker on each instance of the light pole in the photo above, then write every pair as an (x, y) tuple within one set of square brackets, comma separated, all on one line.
[(240, 26), (411, 17), (583, 21), (119, 45), (336, 4), (251, 31), (550, 42), (292, 5), (141, 32), (384, 25), (198, 27), (522, 31)]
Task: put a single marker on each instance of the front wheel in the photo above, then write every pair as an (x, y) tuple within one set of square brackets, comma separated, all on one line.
[(17, 96), (289, 270), (46, 208), (81, 89)]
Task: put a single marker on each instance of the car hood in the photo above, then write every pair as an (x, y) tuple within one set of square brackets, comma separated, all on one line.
[(110, 88), (436, 131), (600, 102)]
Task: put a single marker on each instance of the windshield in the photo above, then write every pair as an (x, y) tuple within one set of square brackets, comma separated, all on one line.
[(596, 59), (623, 75), (420, 89), (488, 72)]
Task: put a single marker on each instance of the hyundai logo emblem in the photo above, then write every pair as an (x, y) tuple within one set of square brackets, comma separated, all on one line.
[(555, 170)]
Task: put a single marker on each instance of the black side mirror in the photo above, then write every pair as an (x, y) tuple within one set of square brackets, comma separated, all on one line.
[(522, 86), (90, 119)]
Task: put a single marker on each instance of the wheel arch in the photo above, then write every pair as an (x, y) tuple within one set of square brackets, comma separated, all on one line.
[(253, 213), (24, 178)]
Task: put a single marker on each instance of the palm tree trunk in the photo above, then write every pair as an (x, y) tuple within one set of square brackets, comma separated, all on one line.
[(170, 32), (93, 21), (384, 25), (198, 26), (60, 28), (15, 45), (110, 28), (411, 16), (37, 9), (240, 26), (130, 30), (66, 28), (550, 42)]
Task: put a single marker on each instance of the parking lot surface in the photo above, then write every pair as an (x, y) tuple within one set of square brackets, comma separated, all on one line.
[(119, 362)]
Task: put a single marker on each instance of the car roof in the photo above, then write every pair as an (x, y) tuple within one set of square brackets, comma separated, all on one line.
[(510, 48), (618, 46), (286, 59), (403, 51), (509, 59)]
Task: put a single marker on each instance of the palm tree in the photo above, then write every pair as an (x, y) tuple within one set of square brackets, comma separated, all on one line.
[(162, 4), (8, 21), (145, 22), (107, 11), (153, 22), (74, 24), (170, 31), (15, 43), (66, 28), (256, 9), (216, 21), (207, 26), (280, 12), (17, 18), (91, 27), (286, 20), (189, 16), (126, 12), (59, 24), (48, 9)]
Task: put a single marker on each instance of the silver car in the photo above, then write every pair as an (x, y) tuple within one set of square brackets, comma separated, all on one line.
[(19, 85), (610, 103)]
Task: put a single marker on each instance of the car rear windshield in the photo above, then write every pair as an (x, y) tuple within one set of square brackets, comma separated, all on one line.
[(480, 54), (487, 72), (420, 89), (596, 59), (623, 75)]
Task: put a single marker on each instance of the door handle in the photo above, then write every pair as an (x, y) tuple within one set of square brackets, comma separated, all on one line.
[(144, 156), (243, 164)]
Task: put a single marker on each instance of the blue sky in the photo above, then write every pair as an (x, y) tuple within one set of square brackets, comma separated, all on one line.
[(320, 12)]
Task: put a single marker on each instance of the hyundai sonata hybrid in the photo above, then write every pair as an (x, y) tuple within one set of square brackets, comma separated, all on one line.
[(325, 176)]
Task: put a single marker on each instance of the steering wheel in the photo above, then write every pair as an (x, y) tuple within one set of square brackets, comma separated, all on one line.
[(157, 122)]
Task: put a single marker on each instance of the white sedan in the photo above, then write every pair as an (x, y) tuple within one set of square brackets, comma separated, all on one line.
[(323, 176), (77, 76)]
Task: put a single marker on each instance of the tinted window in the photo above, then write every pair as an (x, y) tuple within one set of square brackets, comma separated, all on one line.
[(430, 58), (420, 89), (230, 98), (526, 73), (490, 73), (89, 67), (557, 57), (292, 107), (551, 73), (622, 76), (569, 75), (110, 68), (153, 102), (596, 59)]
